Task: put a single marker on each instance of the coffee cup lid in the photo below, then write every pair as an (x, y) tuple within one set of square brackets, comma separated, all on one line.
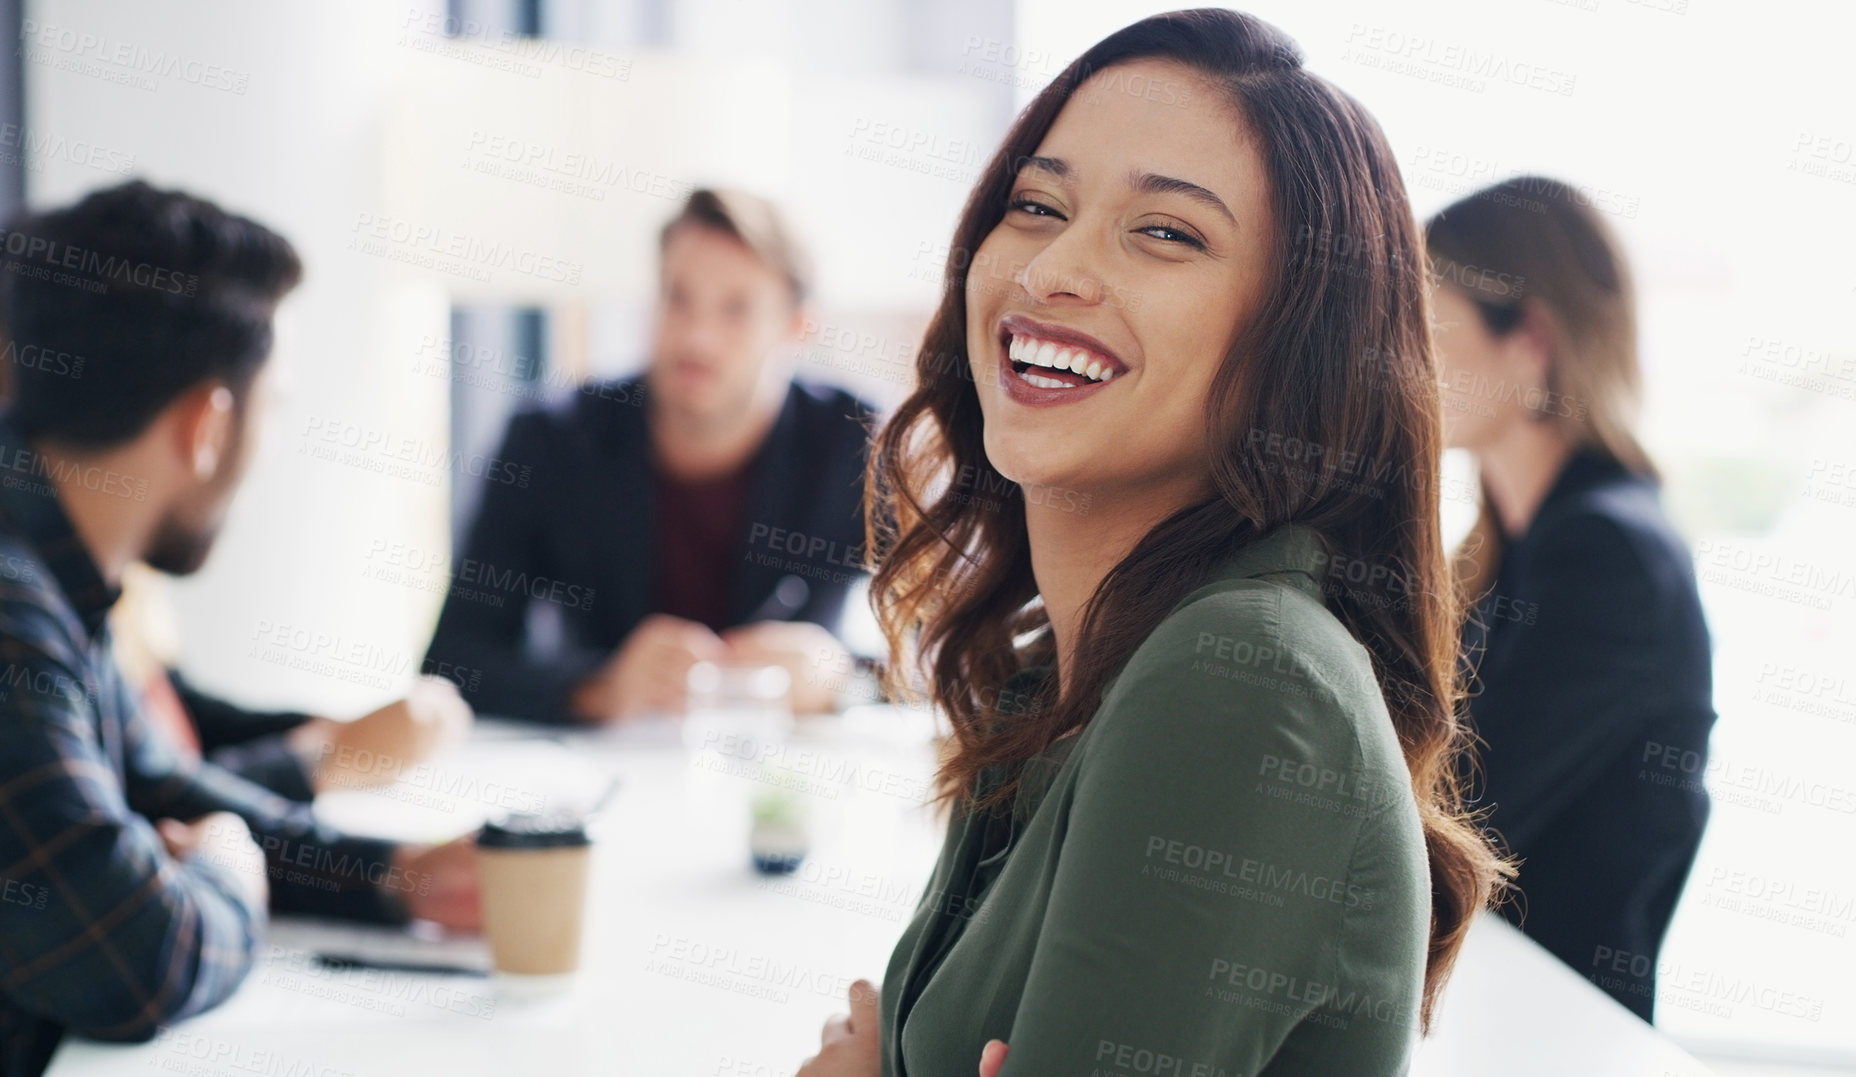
[(530, 831)]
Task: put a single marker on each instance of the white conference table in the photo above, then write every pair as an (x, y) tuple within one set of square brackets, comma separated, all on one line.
[(694, 964)]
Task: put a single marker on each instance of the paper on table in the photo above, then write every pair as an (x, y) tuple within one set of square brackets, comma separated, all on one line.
[(422, 943), (456, 791), (642, 732), (289, 988)]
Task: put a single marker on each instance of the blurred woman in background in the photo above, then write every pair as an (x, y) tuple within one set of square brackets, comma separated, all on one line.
[(1587, 634), (1205, 802)]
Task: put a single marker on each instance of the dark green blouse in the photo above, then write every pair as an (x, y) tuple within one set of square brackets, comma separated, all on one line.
[(1223, 874)]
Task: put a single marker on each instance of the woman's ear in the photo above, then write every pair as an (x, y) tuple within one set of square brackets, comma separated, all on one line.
[(801, 325), (1534, 341)]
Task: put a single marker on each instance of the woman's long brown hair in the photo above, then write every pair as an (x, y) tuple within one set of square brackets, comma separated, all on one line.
[(1338, 356), (1549, 243)]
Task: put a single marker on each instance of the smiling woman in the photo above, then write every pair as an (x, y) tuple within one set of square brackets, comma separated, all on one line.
[(1218, 829)]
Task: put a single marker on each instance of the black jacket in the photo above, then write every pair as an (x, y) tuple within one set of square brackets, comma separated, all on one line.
[(556, 569), (251, 744), (1595, 703)]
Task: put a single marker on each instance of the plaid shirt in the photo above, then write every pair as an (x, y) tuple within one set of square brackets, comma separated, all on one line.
[(101, 931)]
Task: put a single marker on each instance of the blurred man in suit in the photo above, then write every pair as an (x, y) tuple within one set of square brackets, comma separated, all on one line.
[(709, 510), (134, 878)]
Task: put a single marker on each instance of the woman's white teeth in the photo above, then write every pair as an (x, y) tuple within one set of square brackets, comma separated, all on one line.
[(1056, 357)]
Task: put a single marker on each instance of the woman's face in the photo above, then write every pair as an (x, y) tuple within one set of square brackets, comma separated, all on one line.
[(1486, 379), (1133, 249)]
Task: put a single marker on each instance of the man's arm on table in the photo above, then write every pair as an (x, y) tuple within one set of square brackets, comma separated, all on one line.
[(103, 931), (251, 744), (312, 868)]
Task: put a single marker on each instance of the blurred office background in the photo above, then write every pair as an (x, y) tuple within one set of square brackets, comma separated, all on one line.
[(476, 188)]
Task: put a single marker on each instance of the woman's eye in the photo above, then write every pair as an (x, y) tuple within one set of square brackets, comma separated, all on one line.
[(1171, 235), (1035, 208)]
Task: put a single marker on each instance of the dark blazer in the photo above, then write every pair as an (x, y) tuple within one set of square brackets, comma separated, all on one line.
[(251, 744), (1595, 703), (557, 567)]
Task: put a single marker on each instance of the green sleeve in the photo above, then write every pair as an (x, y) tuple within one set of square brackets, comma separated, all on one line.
[(1202, 894)]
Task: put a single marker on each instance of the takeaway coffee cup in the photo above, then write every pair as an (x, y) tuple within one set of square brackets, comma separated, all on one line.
[(532, 871)]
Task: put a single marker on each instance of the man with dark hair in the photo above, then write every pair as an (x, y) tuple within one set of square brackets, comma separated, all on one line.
[(712, 508), (135, 880)]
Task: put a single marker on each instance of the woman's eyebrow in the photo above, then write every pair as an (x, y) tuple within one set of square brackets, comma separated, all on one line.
[(1140, 181), (1147, 182), (1058, 168), (1150, 183)]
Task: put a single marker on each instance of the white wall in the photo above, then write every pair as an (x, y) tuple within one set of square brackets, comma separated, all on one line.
[(381, 147), (299, 149)]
